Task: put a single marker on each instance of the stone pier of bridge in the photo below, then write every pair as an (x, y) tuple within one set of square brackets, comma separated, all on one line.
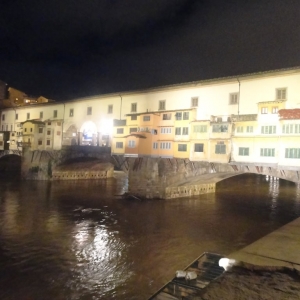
[(167, 178)]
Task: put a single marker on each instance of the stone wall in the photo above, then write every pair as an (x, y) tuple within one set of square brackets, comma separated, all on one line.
[(149, 177), (41, 165)]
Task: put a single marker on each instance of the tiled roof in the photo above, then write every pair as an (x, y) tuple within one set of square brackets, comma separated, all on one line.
[(289, 114)]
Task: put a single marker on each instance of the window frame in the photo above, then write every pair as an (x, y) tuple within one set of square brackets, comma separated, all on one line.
[(162, 105), (234, 98), (119, 145), (110, 109), (279, 92), (182, 148), (194, 101), (200, 146), (89, 111), (134, 107)]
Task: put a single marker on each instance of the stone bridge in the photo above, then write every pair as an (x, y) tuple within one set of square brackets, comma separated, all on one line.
[(166, 178), (162, 178)]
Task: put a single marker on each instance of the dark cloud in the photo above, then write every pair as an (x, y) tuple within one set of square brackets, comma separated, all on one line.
[(66, 49)]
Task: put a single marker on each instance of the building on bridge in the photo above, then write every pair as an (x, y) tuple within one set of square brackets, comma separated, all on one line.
[(246, 118)]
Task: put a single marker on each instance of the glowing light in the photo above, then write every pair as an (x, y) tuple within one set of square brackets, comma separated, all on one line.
[(106, 126)]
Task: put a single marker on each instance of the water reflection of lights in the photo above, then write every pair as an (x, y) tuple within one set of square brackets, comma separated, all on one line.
[(273, 192), (100, 256)]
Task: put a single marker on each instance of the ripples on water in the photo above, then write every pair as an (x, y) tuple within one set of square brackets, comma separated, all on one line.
[(78, 240)]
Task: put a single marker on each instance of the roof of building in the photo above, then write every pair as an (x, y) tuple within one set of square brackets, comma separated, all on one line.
[(289, 114)]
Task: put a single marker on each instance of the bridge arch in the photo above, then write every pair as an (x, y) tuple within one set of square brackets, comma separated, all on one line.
[(88, 134)]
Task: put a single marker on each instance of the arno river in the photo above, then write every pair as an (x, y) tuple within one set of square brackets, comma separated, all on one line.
[(78, 240)]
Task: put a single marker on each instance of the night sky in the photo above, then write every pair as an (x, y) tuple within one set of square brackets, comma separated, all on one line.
[(65, 49)]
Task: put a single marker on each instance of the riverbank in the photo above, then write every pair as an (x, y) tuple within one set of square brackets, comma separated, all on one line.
[(263, 283), (266, 269)]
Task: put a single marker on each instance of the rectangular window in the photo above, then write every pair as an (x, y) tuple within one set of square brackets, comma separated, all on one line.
[(165, 145), (41, 129), (178, 116), (240, 129), (3, 117), (199, 147), (281, 94), (243, 151), (178, 131), (297, 128), (288, 128), (249, 129), (182, 147), (58, 123), (120, 130), (155, 145), (119, 145), (219, 128), (25, 129), (49, 123), (233, 98), (133, 107), (264, 110), (186, 115), (41, 115), (292, 153), (131, 144), (48, 142), (40, 142), (55, 114), (267, 152), (89, 111), (167, 116), (131, 130), (200, 128), (71, 112), (194, 102), (17, 116), (274, 109), (220, 148), (110, 109), (133, 118), (28, 116), (30, 129), (58, 133), (146, 118), (185, 131), (48, 132), (162, 105), (268, 129), (166, 130)]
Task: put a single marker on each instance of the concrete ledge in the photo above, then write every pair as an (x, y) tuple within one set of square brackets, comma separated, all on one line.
[(279, 248)]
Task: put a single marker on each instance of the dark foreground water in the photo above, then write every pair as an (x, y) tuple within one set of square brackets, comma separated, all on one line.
[(77, 240)]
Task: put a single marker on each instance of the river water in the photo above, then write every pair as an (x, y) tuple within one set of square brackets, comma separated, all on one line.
[(79, 240)]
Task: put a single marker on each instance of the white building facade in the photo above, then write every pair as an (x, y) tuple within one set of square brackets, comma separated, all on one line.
[(218, 102)]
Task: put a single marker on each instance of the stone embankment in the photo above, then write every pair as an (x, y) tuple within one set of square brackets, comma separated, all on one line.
[(267, 269), (67, 164)]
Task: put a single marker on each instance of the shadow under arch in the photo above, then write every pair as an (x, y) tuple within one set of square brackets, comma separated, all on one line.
[(10, 166)]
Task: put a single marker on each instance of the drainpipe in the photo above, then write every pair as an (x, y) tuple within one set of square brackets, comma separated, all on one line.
[(120, 107), (62, 126), (239, 96)]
